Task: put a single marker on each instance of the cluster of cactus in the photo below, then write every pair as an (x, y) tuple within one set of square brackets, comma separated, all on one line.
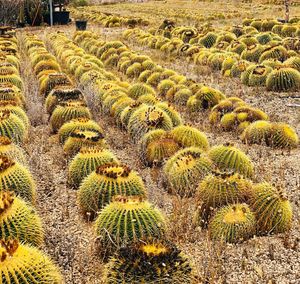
[(108, 189), (19, 220), (27, 263), (252, 52), (14, 123), (69, 114), (277, 135), (149, 261)]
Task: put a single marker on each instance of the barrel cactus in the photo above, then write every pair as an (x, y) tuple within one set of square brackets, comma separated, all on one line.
[(126, 220), (12, 150), (68, 111), (283, 136), (229, 158), (272, 208), (283, 80), (16, 178), (149, 261), (185, 169), (24, 262), (87, 161), (84, 138), (19, 220), (109, 180), (147, 118), (77, 124), (233, 223), (219, 189), (12, 127)]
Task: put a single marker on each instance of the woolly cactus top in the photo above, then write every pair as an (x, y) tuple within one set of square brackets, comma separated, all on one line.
[(4, 141), (7, 249), (238, 214), (128, 203), (114, 171), (6, 200), (4, 114), (153, 116), (5, 162), (87, 135)]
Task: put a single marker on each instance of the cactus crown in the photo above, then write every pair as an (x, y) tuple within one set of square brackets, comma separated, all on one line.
[(259, 70), (5, 162), (153, 117), (6, 200), (4, 141), (128, 202), (114, 171), (4, 114), (154, 249), (7, 249), (188, 160), (87, 135), (73, 103), (236, 215), (91, 150)]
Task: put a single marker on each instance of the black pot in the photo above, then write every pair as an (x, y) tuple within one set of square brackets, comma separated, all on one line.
[(59, 18), (80, 25)]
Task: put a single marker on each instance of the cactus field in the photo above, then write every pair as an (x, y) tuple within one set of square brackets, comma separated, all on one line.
[(158, 145)]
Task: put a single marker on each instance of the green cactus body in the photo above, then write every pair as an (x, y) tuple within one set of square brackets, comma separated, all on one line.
[(83, 138), (54, 80), (233, 224), (87, 161), (220, 189), (156, 146), (139, 89), (25, 264), (109, 180), (272, 208), (283, 80), (19, 220), (16, 178), (258, 76), (9, 92), (258, 132), (150, 261), (186, 169), (12, 151), (283, 136), (12, 127), (126, 220), (67, 112), (188, 136), (147, 118), (79, 124), (62, 94), (230, 159)]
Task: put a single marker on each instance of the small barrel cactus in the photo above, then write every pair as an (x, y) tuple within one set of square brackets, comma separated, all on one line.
[(17, 178), (233, 224), (85, 138), (12, 150), (109, 180), (283, 80), (87, 161), (188, 136), (147, 118), (283, 136), (149, 261), (12, 127), (272, 208), (156, 146), (230, 159), (20, 262), (68, 111), (78, 124), (140, 89), (185, 169), (19, 220), (219, 189), (126, 220)]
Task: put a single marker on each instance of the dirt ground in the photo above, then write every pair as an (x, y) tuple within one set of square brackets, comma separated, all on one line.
[(70, 239)]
